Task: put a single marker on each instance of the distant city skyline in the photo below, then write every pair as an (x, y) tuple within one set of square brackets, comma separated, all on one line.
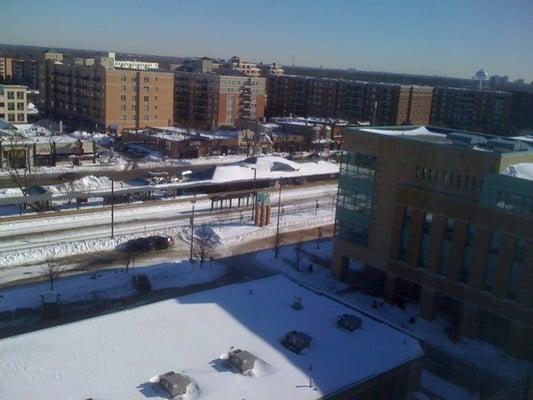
[(452, 38)]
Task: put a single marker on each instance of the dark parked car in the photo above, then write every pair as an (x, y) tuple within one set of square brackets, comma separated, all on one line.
[(149, 243)]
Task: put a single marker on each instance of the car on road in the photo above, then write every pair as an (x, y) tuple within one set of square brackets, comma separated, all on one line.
[(146, 244)]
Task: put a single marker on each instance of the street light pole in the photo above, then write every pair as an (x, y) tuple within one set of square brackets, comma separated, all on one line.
[(192, 230), (112, 208), (255, 193), (279, 213)]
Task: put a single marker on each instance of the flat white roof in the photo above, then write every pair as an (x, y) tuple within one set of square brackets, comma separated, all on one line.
[(114, 356)]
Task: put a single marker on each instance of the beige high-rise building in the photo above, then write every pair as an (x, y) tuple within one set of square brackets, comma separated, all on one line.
[(6, 68), (13, 104), (100, 94)]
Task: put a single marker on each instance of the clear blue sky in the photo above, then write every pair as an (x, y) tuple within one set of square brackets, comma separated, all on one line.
[(444, 37)]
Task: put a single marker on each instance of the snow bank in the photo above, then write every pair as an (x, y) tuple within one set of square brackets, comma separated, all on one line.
[(87, 183), (420, 131)]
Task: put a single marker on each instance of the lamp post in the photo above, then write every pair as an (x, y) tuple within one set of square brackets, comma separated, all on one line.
[(112, 208), (192, 230), (255, 192), (279, 213)]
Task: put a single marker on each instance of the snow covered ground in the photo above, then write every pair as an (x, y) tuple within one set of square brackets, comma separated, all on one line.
[(114, 356)]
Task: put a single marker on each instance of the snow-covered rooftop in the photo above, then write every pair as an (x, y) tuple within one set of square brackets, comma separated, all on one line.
[(271, 167), (420, 131), (523, 171), (114, 356)]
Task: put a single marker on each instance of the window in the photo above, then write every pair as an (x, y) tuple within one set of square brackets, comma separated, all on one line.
[(146, 88), (133, 107), (20, 95), (446, 245), (2, 104), (516, 270), (423, 257), (123, 88), (146, 98), (146, 80), (11, 95), (355, 198), (20, 117), (468, 254), (123, 107), (122, 97), (404, 241), (20, 106), (11, 117), (146, 116), (123, 117), (490, 271), (146, 107), (123, 78), (11, 106)]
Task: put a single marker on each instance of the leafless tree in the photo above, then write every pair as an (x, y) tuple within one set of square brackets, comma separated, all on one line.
[(22, 177), (52, 271), (204, 243)]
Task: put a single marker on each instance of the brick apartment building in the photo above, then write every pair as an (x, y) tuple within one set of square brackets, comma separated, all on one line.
[(380, 103), (434, 219), (98, 94), (209, 100), (471, 109), (26, 72), (13, 104), (6, 69)]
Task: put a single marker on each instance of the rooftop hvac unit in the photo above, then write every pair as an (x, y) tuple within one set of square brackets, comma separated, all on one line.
[(174, 384), (506, 146), (465, 139), (296, 341), (349, 322), (241, 360), (297, 303)]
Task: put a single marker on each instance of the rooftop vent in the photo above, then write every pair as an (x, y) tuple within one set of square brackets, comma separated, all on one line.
[(297, 303), (241, 360), (505, 146), (174, 384), (296, 341), (349, 322), (465, 139)]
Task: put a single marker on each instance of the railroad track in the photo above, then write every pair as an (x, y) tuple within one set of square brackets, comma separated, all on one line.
[(151, 203)]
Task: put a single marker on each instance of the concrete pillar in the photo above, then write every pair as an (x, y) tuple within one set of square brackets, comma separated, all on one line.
[(469, 325), (457, 250), (262, 216), (267, 217), (257, 217), (435, 244), (481, 253), (516, 343), (390, 288), (339, 265), (427, 303)]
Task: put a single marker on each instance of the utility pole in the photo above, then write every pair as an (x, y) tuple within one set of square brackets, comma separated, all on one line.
[(255, 193), (192, 230), (279, 213), (112, 208)]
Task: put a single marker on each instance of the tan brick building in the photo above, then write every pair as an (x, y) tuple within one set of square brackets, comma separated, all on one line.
[(99, 94), (13, 104), (209, 100), (6, 68), (355, 101), (436, 221)]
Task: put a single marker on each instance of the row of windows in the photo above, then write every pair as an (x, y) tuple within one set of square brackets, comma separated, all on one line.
[(11, 106), (146, 79), (514, 202), (355, 197), (123, 117), (13, 117), (467, 261), (11, 95), (452, 179)]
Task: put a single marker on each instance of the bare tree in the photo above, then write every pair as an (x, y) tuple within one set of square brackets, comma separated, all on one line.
[(204, 243), (19, 168), (52, 271)]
